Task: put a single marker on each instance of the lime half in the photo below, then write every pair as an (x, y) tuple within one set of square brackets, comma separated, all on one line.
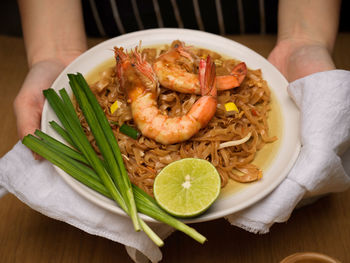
[(187, 187)]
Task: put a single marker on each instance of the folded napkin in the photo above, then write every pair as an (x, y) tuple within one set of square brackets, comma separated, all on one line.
[(324, 102)]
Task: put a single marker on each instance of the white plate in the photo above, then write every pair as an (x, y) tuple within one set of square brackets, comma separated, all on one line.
[(289, 144)]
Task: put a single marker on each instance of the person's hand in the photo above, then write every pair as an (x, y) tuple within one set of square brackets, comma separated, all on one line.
[(54, 35), (298, 58), (29, 102)]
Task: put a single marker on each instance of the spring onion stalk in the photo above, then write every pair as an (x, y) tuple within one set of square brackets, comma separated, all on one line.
[(123, 180), (106, 128), (67, 164), (78, 171), (68, 103), (99, 130), (145, 204), (77, 135), (150, 207), (79, 138), (75, 131), (62, 132), (129, 131), (63, 148)]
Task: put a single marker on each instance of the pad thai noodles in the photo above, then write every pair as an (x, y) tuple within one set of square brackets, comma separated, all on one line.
[(230, 139)]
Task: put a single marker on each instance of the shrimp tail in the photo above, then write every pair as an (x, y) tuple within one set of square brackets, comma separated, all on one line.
[(207, 77), (239, 71), (234, 79), (204, 108)]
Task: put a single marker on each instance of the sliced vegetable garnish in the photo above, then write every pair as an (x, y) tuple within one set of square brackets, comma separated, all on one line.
[(127, 130), (187, 187), (83, 164), (54, 125), (114, 107), (122, 180), (100, 128), (230, 106), (254, 112), (130, 131), (236, 142), (145, 204)]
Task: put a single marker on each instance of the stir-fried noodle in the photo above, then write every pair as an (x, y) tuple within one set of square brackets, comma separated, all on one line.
[(144, 157)]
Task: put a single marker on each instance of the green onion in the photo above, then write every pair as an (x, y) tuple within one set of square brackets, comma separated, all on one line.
[(150, 207), (127, 130), (122, 180), (79, 138), (105, 140), (77, 135), (145, 204), (70, 107), (130, 131), (64, 148), (62, 132), (77, 170), (107, 176)]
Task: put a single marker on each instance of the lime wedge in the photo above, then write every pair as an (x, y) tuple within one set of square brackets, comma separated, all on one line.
[(187, 187)]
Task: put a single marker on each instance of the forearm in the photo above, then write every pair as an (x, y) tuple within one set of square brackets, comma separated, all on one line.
[(314, 21), (52, 30)]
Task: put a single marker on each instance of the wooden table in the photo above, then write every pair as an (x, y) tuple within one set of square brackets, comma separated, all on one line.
[(28, 236)]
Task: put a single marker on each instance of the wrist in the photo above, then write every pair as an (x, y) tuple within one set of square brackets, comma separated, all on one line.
[(296, 59), (293, 42), (312, 22), (52, 30), (58, 55), (292, 46)]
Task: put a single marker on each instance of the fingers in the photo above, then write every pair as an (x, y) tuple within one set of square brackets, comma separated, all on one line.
[(28, 117)]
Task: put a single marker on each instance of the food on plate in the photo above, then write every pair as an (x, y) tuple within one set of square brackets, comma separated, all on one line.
[(140, 85), (231, 138), (106, 176), (187, 187), (176, 70)]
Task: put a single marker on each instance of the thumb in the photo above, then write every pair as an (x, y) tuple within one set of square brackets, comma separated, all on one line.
[(28, 116)]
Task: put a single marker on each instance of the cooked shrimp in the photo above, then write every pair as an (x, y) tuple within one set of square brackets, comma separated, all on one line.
[(140, 84), (174, 71)]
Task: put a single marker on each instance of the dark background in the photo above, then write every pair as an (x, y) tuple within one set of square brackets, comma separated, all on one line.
[(10, 23)]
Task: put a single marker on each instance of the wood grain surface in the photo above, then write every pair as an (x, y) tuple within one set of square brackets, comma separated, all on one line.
[(28, 236)]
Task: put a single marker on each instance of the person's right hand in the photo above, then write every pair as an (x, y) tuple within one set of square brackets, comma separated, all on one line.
[(29, 102), (54, 35)]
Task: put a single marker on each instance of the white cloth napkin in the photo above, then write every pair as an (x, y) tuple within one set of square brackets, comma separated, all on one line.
[(324, 101)]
